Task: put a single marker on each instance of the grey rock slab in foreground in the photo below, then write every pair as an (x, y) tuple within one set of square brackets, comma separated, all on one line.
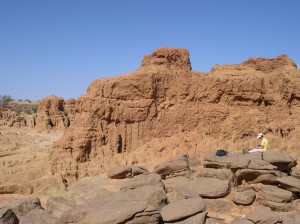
[(176, 164), (260, 165), (154, 195), (290, 183), (22, 206), (182, 209), (275, 194), (242, 221), (141, 180), (120, 172), (37, 216), (244, 197), (59, 205), (177, 189), (263, 215), (97, 212), (92, 187), (210, 187), (196, 219), (258, 176), (222, 174), (232, 161), (281, 160)]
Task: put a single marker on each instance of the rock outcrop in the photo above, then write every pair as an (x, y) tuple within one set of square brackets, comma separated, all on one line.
[(202, 197), (9, 117), (53, 113), (164, 108)]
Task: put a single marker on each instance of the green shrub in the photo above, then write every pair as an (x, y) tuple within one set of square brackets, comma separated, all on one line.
[(18, 110)]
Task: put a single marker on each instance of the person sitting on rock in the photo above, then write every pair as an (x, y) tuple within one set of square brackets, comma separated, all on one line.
[(263, 145)]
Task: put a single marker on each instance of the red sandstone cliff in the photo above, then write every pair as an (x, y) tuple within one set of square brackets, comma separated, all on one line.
[(164, 108)]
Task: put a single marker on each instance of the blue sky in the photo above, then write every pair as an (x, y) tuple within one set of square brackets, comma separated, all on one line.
[(59, 46)]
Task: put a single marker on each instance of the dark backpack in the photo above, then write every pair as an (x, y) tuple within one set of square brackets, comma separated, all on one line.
[(221, 152)]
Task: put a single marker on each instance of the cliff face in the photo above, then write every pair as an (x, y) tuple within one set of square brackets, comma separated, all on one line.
[(164, 108)]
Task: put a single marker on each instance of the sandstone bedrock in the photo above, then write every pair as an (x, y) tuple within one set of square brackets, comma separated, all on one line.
[(164, 108)]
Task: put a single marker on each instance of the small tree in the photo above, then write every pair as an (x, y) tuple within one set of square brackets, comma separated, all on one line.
[(4, 100)]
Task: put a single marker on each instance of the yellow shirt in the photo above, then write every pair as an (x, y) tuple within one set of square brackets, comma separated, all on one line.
[(264, 144)]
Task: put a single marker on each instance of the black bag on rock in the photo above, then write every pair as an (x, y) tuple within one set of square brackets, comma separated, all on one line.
[(221, 152)]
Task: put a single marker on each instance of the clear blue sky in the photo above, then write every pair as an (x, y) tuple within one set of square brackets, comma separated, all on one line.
[(59, 46)]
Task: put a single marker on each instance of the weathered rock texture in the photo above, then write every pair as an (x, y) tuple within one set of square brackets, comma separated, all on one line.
[(192, 197), (55, 113), (8, 117), (164, 108)]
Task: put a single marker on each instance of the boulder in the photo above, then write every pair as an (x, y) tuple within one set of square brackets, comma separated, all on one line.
[(148, 216), (290, 183), (137, 170), (244, 197), (180, 193), (292, 217), (218, 204), (264, 215), (120, 172), (295, 172), (177, 189), (153, 195), (235, 161), (37, 216), (22, 206), (258, 176), (59, 205), (257, 164), (125, 171), (276, 194), (172, 166), (242, 221), (281, 160), (231, 161), (221, 174), (275, 198), (182, 209), (7, 216), (100, 212), (208, 187), (141, 180), (92, 187), (195, 219), (276, 206)]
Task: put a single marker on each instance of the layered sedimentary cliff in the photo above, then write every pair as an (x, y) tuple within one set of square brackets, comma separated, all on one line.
[(164, 108)]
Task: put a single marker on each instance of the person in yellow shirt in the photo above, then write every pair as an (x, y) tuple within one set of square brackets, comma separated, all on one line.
[(263, 145), (264, 142)]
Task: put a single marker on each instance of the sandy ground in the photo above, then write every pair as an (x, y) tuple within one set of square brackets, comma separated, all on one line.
[(24, 154)]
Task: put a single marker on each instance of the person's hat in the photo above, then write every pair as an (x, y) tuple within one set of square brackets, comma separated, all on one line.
[(260, 135)]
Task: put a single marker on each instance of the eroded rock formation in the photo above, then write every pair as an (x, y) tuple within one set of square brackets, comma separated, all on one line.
[(164, 108), (53, 113)]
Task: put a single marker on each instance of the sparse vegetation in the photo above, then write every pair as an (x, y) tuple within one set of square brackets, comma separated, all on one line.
[(4, 100)]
